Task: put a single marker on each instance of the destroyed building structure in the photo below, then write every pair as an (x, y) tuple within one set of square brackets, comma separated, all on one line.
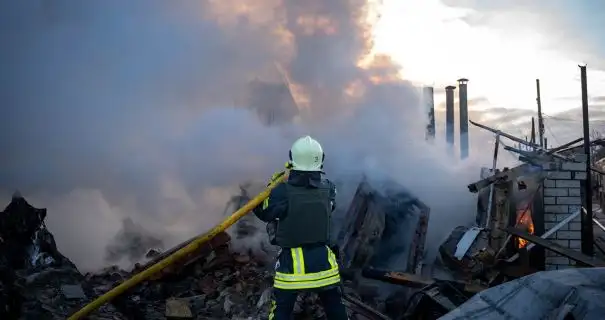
[(38, 282), (385, 226), (214, 282), (382, 240)]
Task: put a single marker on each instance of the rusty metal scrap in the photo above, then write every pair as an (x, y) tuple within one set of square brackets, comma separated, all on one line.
[(571, 254)]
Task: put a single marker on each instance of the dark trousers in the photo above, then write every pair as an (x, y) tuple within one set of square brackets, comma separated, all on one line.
[(284, 300)]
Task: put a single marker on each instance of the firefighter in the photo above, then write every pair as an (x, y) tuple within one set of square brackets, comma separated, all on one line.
[(299, 211)]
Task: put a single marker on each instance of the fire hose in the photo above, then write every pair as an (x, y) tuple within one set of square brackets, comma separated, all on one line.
[(178, 255)]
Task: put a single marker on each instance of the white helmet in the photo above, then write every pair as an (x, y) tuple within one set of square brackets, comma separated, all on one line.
[(306, 154)]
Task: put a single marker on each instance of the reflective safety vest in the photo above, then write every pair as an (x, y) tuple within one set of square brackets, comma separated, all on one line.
[(309, 267)]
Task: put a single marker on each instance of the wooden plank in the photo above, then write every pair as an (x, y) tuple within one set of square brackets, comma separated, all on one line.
[(571, 254)]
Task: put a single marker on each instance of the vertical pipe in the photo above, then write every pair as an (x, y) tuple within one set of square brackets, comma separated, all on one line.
[(540, 119), (463, 102), (533, 131), (490, 201), (429, 103), (587, 232), (449, 116)]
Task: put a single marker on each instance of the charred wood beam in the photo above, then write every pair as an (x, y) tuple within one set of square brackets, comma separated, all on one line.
[(415, 281), (533, 145), (502, 176), (400, 278), (509, 136), (490, 201), (365, 310), (548, 233), (565, 146), (571, 254), (519, 151)]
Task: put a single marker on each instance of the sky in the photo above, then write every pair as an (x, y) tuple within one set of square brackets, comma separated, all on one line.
[(497, 47), (501, 47), (132, 115)]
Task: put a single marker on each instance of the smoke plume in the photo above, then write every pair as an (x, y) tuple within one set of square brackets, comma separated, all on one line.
[(116, 110)]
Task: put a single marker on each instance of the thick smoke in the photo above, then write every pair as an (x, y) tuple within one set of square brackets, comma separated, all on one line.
[(132, 243), (133, 109)]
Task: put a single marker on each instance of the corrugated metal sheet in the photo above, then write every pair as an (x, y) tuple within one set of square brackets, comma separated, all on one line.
[(543, 295)]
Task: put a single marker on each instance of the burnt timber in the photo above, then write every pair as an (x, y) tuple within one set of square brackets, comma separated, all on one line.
[(385, 225)]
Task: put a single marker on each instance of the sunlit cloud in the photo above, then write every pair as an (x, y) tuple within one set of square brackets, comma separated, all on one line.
[(502, 54)]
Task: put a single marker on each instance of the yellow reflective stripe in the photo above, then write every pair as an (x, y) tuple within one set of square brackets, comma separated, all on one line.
[(298, 261), (306, 277), (265, 203), (272, 310), (332, 259), (306, 284), (302, 260)]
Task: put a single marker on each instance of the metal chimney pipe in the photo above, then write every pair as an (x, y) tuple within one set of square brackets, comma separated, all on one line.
[(463, 101), (429, 103), (449, 115), (533, 131)]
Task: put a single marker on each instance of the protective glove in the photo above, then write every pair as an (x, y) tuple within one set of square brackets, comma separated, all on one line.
[(276, 176)]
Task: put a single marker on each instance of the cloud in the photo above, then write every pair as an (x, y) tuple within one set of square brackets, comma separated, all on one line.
[(568, 26), (500, 46), (116, 110), (599, 99)]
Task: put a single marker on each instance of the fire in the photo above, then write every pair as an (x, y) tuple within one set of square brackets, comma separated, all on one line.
[(525, 221)]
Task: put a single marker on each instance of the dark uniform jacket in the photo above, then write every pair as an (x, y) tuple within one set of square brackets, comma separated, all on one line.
[(300, 211)]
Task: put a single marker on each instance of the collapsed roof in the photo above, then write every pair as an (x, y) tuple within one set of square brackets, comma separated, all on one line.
[(564, 294)]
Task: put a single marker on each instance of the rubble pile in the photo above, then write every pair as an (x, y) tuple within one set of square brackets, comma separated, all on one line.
[(38, 282), (220, 280), (222, 286)]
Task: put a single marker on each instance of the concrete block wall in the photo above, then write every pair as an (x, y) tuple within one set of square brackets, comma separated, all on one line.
[(562, 197)]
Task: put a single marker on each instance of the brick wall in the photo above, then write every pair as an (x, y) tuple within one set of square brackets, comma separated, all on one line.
[(562, 196)]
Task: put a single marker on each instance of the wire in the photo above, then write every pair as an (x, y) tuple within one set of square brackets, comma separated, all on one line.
[(558, 118), (552, 134)]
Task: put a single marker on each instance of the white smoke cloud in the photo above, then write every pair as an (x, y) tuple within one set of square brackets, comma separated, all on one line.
[(120, 110)]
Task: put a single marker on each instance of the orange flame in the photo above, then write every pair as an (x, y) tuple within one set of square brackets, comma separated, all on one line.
[(525, 221)]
